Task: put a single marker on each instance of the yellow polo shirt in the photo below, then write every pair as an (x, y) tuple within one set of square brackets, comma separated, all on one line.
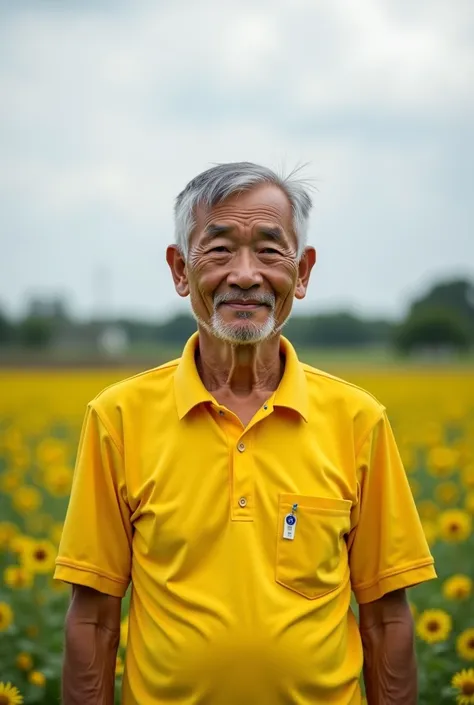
[(174, 495)]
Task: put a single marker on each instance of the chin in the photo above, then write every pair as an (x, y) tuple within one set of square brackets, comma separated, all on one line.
[(243, 331)]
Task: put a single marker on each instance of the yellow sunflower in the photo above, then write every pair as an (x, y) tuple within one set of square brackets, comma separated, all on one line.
[(9, 695), (454, 525), (58, 480), (427, 509), (24, 661), (6, 616), (433, 626), (469, 502), (39, 557), (442, 461), (37, 678), (20, 543), (8, 531), (27, 499), (21, 458), (10, 480), (465, 644), (51, 451), (17, 577), (447, 493), (457, 587), (464, 683)]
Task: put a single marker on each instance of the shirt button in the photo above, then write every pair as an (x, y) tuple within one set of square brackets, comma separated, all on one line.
[(221, 413), (243, 502), (265, 407), (241, 447)]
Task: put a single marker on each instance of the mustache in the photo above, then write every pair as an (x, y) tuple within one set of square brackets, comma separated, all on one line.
[(265, 298)]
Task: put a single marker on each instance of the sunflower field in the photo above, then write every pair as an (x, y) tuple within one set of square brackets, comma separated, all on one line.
[(432, 412)]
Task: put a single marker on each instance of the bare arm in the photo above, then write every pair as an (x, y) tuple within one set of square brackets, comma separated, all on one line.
[(386, 627), (92, 639)]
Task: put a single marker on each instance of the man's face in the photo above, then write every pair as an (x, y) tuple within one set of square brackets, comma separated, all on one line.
[(242, 271)]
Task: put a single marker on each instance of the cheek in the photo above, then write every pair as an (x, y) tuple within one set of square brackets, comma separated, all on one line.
[(284, 278), (205, 283), (207, 273), (204, 278), (284, 284)]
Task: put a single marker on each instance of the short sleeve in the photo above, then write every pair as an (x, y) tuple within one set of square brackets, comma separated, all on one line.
[(387, 546), (95, 547)]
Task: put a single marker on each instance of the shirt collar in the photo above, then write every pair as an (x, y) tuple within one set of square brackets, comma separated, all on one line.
[(291, 393), (188, 385)]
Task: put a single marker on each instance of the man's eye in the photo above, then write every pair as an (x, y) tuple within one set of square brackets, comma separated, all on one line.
[(269, 251), (219, 249)]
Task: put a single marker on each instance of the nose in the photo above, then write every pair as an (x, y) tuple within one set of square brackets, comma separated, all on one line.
[(244, 273)]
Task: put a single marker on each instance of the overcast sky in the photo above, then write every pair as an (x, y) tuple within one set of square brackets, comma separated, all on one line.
[(107, 109)]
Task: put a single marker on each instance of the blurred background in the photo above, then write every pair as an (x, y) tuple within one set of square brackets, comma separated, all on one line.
[(107, 109)]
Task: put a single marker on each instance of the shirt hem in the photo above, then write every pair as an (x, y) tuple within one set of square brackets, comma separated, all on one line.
[(405, 577), (89, 577)]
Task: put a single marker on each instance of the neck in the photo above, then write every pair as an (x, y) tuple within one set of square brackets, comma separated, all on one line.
[(239, 369)]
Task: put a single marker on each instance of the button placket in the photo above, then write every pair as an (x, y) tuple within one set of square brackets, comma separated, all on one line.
[(242, 480)]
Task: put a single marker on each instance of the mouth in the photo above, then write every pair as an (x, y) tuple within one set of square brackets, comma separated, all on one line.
[(243, 305)]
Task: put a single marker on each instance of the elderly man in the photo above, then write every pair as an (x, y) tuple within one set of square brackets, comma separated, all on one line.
[(243, 494)]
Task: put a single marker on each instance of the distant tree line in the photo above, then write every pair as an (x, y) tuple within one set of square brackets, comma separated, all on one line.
[(440, 320)]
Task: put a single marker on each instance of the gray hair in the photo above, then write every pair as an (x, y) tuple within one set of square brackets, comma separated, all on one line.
[(221, 181)]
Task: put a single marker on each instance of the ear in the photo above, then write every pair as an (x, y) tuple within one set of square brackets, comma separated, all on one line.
[(178, 269), (305, 266)]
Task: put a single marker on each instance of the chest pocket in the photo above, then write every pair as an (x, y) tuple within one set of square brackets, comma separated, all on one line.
[(315, 561)]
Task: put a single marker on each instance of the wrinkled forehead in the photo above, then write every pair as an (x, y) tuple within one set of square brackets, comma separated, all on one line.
[(266, 204)]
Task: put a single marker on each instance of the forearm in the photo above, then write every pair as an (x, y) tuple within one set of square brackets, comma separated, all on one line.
[(92, 639), (390, 672), (89, 665)]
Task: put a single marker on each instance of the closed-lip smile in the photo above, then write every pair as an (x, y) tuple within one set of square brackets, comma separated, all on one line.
[(244, 304)]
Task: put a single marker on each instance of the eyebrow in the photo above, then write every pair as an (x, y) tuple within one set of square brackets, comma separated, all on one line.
[(276, 234), (213, 230)]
